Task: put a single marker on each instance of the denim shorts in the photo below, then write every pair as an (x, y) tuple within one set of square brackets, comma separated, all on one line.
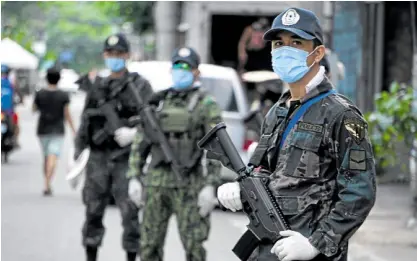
[(51, 144)]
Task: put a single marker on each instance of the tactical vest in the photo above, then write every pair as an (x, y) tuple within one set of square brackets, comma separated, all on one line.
[(179, 120), (103, 91)]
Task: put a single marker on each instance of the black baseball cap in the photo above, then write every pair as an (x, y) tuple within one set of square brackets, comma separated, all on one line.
[(187, 55), (298, 21), (116, 42)]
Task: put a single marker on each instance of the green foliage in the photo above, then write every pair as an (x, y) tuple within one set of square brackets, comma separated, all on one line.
[(21, 22), (139, 13), (78, 26), (393, 122), (15, 28), (76, 19)]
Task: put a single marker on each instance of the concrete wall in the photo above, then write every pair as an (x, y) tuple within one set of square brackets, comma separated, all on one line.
[(198, 15)]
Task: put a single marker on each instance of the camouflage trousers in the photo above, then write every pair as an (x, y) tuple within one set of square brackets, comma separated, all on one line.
[(160, 204), (103, 179)]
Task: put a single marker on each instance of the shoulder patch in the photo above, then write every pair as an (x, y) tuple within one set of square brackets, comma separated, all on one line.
[(357, 159), (356, 128)]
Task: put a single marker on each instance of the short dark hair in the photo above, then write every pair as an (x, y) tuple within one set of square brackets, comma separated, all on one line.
[(316, 43), (53, 75), (325, 62)]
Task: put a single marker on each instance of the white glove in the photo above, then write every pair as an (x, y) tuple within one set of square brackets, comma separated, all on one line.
[(135, 192), (124, 136), (229, 196), (206, 200), (294, 247)]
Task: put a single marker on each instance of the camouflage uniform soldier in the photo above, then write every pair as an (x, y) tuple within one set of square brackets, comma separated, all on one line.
[(186, 113), (323, 172), (108, 161)]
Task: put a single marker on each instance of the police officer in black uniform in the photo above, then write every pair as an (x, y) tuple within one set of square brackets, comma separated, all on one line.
[(108, 162), (315, 144)]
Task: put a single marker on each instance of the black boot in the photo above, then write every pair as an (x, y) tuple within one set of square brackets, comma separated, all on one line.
[(131, 256), (91, 253)]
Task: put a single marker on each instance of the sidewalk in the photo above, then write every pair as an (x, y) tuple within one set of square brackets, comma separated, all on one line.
[(384, 235)]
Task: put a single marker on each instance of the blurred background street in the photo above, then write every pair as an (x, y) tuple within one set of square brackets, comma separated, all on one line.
[(48, 229)]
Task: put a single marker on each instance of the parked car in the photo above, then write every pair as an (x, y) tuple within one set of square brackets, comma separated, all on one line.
[(221, 82)]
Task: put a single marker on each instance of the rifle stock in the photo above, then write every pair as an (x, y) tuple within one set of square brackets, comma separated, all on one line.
[(266, 219), (107, 110), (220, 147)]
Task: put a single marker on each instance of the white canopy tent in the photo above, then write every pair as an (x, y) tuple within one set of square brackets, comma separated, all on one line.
[(16, 57)]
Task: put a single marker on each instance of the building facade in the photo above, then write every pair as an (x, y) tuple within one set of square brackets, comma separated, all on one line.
[(374, 40)]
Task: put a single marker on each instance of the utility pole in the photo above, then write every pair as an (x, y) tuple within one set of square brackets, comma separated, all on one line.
[(328, 15), (165, 28)]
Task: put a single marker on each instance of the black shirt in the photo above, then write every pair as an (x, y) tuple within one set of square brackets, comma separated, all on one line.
[(51, 104)]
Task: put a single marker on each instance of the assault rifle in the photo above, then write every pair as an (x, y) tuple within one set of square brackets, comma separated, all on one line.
[(153, 131), (106, 108), (265, 217)]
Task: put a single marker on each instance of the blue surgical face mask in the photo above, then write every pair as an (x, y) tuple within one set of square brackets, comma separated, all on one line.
[(182, 78), (290, 63), (115, 64)]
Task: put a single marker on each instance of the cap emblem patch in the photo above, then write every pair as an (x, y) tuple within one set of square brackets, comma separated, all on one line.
[(113, 40), (184, 52), (290, 17)]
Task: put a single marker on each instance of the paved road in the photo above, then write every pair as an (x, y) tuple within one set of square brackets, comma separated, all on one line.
[(48, 229)]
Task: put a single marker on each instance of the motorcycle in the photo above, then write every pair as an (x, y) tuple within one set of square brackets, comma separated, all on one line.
[(7, 136)]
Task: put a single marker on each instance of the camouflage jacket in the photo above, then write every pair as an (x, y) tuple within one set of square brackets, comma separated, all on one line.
[(206, 172), (323, 177)]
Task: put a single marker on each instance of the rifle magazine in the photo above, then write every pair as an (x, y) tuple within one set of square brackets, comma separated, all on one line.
[(246, 245)]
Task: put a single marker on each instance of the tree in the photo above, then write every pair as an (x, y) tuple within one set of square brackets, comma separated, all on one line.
[(21, 21), (79, 27), (139, 13)]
